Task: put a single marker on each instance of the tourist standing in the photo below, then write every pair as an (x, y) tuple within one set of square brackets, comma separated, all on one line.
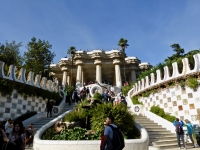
[(8, 127), (18, 136), (179, 132), (190, 130), (49, 108), (102, 135), (116, 100)]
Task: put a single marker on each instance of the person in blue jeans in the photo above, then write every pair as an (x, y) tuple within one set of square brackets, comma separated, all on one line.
[(179, 132), (190, 130)]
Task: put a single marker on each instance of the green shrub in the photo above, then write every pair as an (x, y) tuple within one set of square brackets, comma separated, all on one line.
[(76, 116), (192, 82), (48, 134), (126, 89), (160, 112), (97, 96), (169, 117), (123, 118), (136, 101)]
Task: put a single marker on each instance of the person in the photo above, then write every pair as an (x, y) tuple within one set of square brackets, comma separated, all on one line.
[(18, 136), (190, 131), (29, 134), (116, 100), (75, 96), (102, 135), (105, 96), (68, 97), (49, 108), (3, 137), (8, 127), (108, 133), (88, 92), (179, 132)]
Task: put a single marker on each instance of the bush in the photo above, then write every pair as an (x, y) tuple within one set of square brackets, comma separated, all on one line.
[(76, 116), (160, 112), (136, 101), (123, 118), (97, 96), (169, 117), (192, 82)]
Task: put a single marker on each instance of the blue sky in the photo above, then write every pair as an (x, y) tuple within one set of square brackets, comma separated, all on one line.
[(150, 26)]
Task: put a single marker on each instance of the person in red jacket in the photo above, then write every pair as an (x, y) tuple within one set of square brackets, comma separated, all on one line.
[(102, 135)]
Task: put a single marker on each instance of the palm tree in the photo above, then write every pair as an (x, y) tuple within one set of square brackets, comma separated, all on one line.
[(123, 43), (71, 52)]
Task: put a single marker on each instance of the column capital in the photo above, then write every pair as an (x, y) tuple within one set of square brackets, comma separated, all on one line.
[(64, 68), (78, 62), (97, 62), (117, 61)]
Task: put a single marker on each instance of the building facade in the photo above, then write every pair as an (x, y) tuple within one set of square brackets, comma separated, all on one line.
[(107, 67)]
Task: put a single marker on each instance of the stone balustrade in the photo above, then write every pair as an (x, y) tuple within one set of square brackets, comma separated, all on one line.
[(147, 83), (29, 79)]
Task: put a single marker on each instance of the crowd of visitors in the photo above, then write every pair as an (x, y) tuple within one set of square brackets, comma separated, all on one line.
[(14, 136)]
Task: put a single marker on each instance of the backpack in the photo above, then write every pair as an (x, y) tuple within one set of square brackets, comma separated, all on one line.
[(179, 129), (118, 138)]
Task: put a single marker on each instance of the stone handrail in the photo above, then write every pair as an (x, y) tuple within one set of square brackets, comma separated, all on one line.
[(37, 82), (147, 83)]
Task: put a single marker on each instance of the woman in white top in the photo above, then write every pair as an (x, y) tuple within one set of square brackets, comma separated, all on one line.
[(116, 100)]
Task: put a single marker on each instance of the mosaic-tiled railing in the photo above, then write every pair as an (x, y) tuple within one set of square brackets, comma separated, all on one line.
[(147, 83), (36, 81)]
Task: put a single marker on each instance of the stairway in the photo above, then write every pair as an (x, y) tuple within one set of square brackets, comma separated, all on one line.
[(42, 121), (159, 137)]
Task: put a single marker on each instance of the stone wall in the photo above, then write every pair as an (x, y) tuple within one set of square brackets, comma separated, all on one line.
[(16, 105), (182, 103)]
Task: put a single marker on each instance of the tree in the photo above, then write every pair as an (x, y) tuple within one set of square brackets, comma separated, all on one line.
[(123, 43), (179, 53), (9, 53), (71, 52), (39, 57)]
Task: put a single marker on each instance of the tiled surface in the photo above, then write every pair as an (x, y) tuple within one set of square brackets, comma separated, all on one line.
[(15, 105), (176, 101)]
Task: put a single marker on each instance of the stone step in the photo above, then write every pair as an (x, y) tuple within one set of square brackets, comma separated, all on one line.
[(166, 142), (156, 130), (170, 146), (147, 121), (158, 138), (151, 126), (160, 132)]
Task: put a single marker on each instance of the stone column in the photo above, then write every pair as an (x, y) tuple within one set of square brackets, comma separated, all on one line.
[(64, 79), (117, 62), (98, 70), (79, 74), (68, 79), (133, 76)]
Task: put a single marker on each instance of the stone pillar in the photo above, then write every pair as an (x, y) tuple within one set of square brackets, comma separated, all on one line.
[(79, 74), (117, 62), (97, 62), (68, 79), (133, 76), (98, 73), (64, 79)]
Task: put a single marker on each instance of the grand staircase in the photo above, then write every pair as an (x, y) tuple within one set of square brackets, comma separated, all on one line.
[(42, 121), (159, 137)]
